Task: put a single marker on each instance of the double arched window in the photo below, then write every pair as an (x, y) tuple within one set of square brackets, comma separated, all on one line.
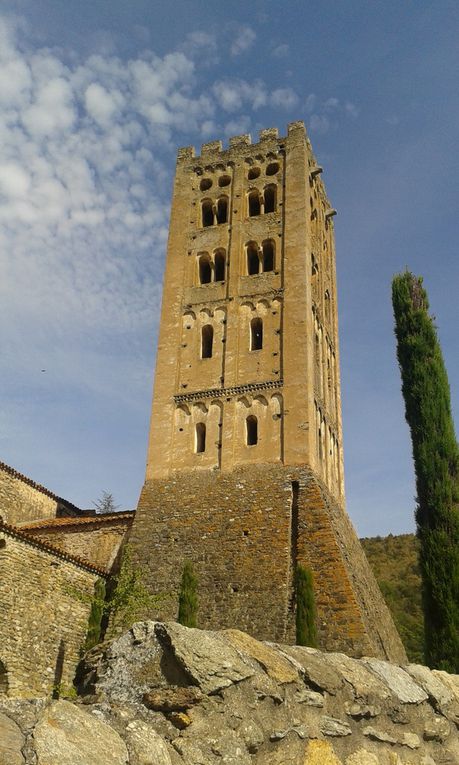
[(260, 259), (214, 213), (211, 268), (262, 202)]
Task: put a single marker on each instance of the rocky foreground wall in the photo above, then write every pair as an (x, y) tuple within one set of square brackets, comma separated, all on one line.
[(163, 694)]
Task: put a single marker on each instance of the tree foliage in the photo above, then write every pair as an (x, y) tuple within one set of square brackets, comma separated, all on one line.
[(436, 460), (95, 615), (106, 503), (188, 597), (305, 608)]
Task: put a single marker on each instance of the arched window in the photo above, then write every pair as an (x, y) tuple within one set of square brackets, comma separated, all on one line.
[(254, 203), (219, 266), (256, 334), (200, 438), (222, 210), (207, 213), (251, 430), (205, 269), (3, 680), (268, 255), (207, 337), (253, 260), (272, 168), (270, 199), (224, 180), (205, 184)]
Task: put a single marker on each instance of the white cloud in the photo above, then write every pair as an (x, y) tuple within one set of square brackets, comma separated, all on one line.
[(233, 94), (281, 51), (319, 123), (101, 104), (243, 40), (284, 98)]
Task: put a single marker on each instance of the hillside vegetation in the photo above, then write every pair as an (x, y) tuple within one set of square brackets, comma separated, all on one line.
[(394, 560)]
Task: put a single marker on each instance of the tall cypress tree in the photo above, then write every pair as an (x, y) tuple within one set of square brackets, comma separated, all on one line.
[(426, 392)]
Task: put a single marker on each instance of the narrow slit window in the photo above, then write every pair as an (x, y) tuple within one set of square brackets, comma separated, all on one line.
[(207, 213), (222, 210), (254, 203), (251, 427), (219, 262), (268, 255), (256, 334), (207, 339), (270, 199), (200, 438), (253, 260), (205, 269)]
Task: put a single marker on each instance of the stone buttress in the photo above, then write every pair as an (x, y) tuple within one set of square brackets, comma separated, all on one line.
[(245, 464)]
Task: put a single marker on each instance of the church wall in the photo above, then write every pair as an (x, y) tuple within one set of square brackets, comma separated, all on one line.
[(20, 502), (45, 601)]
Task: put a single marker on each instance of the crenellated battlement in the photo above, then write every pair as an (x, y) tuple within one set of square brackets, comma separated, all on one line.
[(267, 135)]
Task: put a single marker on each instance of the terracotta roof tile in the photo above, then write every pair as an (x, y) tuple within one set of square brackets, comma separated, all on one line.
[(91, 520)]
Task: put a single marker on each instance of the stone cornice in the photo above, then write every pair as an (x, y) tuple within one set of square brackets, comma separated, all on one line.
[(234, 390)]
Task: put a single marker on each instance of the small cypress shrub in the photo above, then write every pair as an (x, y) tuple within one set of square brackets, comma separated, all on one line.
[(95, 615), (305, 608), (188, 598)]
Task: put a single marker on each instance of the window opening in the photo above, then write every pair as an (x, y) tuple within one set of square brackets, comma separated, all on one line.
[(272, 168), (254, 203), (251, 424), (253, 173), (219, 262), (253, 261), (200, 438), (224, 180), (207, 337), (205, 270), (205, 184), (256, 334), (268, 256), (222, 210), (207, 213), (3, 680), (270, 199)]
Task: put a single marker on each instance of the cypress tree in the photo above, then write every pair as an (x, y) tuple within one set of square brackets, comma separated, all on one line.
[(305, 608), (188, 598), (426, 392)]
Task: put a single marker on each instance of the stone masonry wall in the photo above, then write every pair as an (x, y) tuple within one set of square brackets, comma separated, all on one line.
[(97, 540), (23, 500), (45, 601), (243, 531)]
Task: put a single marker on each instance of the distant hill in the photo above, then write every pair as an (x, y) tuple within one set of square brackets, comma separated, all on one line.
[(394, 560)]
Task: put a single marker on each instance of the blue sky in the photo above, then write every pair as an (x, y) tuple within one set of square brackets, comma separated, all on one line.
[(96, 96)]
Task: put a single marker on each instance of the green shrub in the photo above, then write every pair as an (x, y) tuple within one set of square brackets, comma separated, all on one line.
[(306, 633), (188, 598), (95, 615)]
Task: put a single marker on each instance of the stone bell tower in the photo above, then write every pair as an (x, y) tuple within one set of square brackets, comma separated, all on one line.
[(245, 461)]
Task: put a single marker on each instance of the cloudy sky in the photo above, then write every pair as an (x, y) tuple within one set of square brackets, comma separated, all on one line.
[(95, 97)]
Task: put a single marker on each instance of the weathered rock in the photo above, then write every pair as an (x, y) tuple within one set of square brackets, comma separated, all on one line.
[(398, 681), (172, 699), (11, 742), (314, 669), (180, 720), (437, 729), (209, 661), (364, 682), (310, 698), (378, 735), (321, 753), (432, 684), (359, 711), (145, 746), (330, 726), (66, 735), (275, 665), (362, 757)]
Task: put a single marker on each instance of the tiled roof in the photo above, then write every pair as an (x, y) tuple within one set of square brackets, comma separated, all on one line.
[(16, 474), (55, 551), (91, 520)]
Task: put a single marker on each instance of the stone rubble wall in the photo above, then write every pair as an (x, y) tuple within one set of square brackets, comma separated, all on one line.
[(23, 500), (163, 694), (98, 544), (45, 600)]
